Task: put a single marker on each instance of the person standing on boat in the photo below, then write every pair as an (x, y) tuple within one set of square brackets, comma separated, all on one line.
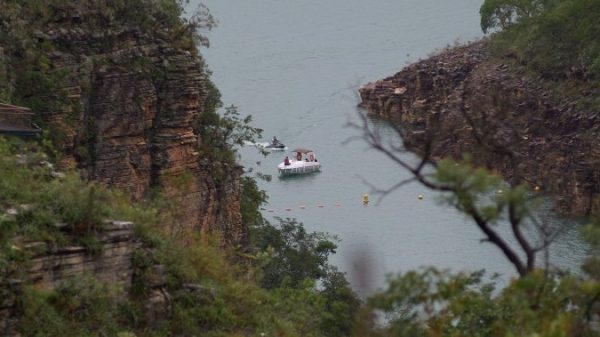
[(275, 141), (299, 156), (286, 161)]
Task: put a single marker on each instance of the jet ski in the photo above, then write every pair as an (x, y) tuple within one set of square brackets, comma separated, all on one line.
[(275, 144)]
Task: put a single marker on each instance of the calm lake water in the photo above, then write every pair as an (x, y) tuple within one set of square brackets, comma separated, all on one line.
[(296, 66)]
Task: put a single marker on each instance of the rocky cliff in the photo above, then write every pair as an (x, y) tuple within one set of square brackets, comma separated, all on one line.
[(134, 101), (49, 266), (468, 101)]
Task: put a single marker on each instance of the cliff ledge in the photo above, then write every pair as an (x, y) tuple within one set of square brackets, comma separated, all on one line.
[(475, 103)]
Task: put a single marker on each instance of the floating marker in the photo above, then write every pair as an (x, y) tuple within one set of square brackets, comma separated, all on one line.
[(500, 191), (365, 198), (302, 206), (337, 204), (537, 188), (420, 197)]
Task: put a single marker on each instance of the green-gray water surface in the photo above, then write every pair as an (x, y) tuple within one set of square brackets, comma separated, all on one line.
[(296, 66)]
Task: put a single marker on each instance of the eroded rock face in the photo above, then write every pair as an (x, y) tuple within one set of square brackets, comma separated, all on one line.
[(470, 102), (51, 266), (135, 100)]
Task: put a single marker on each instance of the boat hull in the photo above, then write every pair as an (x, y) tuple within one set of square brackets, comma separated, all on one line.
[(276, 147), (298, 167)]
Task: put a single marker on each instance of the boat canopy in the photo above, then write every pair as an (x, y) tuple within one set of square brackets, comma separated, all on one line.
[(302, 150)]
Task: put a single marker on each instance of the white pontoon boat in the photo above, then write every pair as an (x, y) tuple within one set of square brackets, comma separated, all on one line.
[(303, 161)]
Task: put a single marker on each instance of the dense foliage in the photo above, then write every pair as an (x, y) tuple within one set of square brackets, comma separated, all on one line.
[(560, 40)]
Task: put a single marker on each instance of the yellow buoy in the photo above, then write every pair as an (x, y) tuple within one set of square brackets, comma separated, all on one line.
[(420, 196), (537, 188), (500, 191), (365, 199)]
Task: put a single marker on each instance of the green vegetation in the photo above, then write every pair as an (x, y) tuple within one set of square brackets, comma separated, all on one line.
[(282, 283), (210, 295), (558, 40), (33, 32), (434, 303), (540, 302), (220, 134), (291, 264), (286, 288)]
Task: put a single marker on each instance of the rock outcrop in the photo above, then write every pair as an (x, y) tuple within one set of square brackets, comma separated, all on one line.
[(468, 101), (134, 102), (50, 266)]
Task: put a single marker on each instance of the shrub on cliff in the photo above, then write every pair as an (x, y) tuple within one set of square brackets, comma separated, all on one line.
[(220, 134), (38, 203)]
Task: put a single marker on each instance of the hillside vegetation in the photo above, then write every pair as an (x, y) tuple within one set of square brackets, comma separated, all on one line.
[(281, 284), (559, 40)]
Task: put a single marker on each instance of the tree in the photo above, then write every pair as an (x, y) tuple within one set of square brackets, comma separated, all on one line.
[(482, 196), (433, 302), (500, 14), (292, 254)]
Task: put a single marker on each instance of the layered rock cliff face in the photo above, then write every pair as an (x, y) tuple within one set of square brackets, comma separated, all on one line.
[(49, 266), (134, 101), (467, 101)]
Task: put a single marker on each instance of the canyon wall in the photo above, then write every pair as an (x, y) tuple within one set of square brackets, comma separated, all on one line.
[(128, 115), (467, 101), (134, 101)]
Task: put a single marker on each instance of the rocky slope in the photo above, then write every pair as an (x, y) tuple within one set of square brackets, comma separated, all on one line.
[(468, 101), (134, 101)]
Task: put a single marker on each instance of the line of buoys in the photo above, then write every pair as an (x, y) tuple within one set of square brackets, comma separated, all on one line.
[(301, 206), (365, 201)]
